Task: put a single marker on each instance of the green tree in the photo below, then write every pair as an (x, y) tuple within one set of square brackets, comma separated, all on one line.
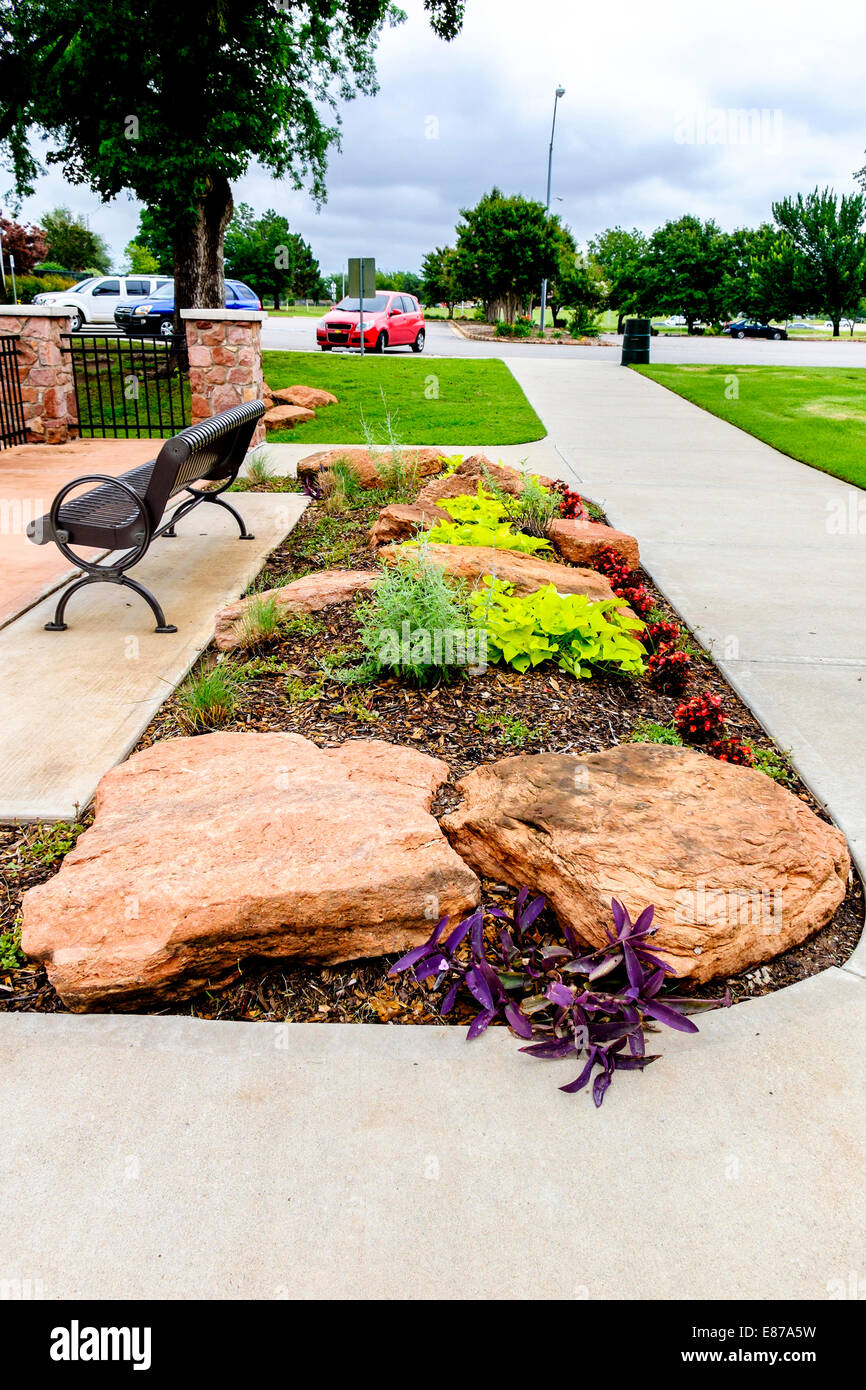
[(828, 233), (685, 268), (766, 276), (621, 257), (139, 260), (440, 283), (272, 259), (403, 281), (154, 234), (73, 244), (506, 246), (187, 100)]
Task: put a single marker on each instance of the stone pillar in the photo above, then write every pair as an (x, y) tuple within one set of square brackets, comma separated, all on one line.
[(225, 360), (45, 372)]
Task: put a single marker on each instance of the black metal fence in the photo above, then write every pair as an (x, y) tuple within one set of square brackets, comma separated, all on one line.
[(12, 427), (134, 387)]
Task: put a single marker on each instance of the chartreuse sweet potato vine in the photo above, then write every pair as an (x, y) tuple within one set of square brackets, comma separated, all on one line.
[(481, 520), (570, 629)]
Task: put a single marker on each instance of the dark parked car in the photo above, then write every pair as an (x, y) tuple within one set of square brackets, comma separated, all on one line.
[(748, 328), (154, 316)]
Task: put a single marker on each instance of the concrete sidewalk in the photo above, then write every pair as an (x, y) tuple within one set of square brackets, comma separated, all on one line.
[(741, 539), (173, 1158)]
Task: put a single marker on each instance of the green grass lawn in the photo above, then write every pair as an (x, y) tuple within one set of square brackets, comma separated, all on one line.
[(443, 400), (815, 414)]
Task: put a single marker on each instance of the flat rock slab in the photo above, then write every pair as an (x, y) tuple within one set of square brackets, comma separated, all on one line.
[(311, 397), (364, 462), (281, 417), (525, 572), (581, 542), (309, 594), (737, 867), (208, 851), (74, 703)]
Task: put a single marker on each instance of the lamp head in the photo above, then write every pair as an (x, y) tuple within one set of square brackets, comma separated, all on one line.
[(560, 91)]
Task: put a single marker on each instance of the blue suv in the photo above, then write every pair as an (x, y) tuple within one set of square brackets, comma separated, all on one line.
[(154, 317)]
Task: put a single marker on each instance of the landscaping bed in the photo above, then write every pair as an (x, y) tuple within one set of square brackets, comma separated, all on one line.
[(300, 680), (486, 333)]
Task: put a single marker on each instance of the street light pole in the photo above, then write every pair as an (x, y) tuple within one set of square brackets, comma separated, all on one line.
[(560, 92)]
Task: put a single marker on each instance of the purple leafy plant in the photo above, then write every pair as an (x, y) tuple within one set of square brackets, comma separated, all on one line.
[(548, 991)]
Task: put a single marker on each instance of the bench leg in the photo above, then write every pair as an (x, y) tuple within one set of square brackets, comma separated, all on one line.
[(221, 502), (58, 625)]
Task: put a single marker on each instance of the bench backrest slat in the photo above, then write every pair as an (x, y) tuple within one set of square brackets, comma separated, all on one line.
[(211, 451)]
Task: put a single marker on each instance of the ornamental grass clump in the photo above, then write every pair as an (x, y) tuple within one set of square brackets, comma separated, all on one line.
[(520, 972), (570, 629), (417, 624)]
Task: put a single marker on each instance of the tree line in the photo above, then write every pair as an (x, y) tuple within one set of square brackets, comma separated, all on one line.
[(810, 259)]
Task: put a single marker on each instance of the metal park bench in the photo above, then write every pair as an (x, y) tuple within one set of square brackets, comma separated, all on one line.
[(127, 511)]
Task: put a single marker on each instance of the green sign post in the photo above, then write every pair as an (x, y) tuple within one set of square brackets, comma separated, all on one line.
[(362, 285)]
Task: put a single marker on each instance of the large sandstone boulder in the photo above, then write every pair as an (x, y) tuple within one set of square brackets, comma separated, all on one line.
[(312, 397), (737, 867), (307, 595), (526, 572), (581, 542), (468, 474), (233, 846), (400, 522), (281, 417), (363, 461)]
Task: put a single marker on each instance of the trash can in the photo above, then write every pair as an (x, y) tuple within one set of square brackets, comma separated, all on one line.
[(636, 341)]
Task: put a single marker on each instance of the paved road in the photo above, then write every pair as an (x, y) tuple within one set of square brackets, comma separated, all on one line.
[(298, 335)]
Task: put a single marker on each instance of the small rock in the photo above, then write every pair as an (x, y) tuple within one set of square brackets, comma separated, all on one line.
[(468, 474), (306, 595), (309, 396), (281, 417), (580, 542), (401, 522), (363, 461)]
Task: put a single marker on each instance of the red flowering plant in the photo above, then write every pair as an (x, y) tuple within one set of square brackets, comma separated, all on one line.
[(669, 671), (660, 636), (731, 750), (700, 719), (572, 505)]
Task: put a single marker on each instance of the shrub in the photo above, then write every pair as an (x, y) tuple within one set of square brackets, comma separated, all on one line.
[(669, 672), (547, 989), (700, 719), (28, 286), (258, 468), (571, 504), (499, 535), (504, 330), (11, 954), (731, 750), (658, 636), (397, 471), (208, 699), (531, 510), (548, 626), (417, 623)]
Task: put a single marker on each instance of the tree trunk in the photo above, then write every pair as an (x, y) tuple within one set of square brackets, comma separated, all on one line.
[(199, 278), (620, 322), (836, 322)]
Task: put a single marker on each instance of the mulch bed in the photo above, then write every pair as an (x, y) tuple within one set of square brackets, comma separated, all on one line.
[(486, 333), (289, 686)]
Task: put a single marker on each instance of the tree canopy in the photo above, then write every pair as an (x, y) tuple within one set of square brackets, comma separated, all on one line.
[(26, 244), (828, 235), (73, 244), (174, 105), (270, 257), (506, 246)]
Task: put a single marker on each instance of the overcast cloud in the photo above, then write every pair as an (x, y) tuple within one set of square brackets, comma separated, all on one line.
[(639, 137)]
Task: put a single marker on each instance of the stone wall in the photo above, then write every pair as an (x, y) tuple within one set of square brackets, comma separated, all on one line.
[(225, 360), (45, 372)]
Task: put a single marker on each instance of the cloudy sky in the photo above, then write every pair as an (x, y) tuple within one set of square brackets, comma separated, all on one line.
[(649, 127)]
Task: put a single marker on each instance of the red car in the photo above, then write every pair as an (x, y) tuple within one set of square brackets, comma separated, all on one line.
[(390, 320)]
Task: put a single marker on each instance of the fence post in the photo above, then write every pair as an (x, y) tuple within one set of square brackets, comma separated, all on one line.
[(45, 371), (225, 360)]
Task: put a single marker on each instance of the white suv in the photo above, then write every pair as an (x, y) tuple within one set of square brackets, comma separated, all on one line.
[(95, 300)]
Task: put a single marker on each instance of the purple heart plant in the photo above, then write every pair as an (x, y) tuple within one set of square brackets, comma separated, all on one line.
[(548, 992)]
